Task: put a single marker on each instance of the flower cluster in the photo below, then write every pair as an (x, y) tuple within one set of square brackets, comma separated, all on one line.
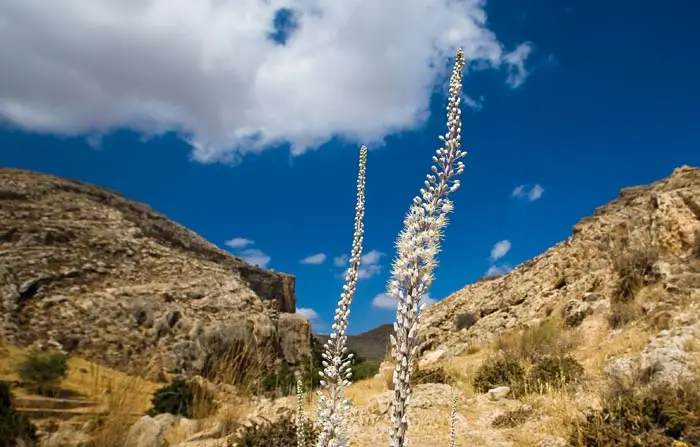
[(412, 274)]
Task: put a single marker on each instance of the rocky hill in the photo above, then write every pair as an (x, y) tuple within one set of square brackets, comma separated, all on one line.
[(655, 227), (91, 271), (370, 345)]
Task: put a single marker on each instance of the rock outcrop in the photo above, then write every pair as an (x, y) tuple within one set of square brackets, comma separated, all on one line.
[(577, 277), (89, 270)]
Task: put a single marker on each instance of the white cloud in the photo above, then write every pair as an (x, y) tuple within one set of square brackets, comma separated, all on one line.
[(369, 264), (476, 104), (533, 194), (307, 313), (238, 242), (500, 249), (385, 301), (318, 258), (340, 261), (255, 257), (517, 73), (497, 270), (208, 70)]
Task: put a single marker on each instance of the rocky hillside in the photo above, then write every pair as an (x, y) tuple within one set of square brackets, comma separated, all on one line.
[(91, 271), (655, 228), (370, 345)]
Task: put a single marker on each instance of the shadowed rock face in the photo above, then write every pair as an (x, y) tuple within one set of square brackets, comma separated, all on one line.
[(93, 271)]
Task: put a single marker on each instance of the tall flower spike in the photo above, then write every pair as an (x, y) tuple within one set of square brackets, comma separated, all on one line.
[(336, 372), (453, 419), (417, 247), (300, 420)]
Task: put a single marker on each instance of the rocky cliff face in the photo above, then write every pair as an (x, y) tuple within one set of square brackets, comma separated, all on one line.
[(581, 276), (87, 269)]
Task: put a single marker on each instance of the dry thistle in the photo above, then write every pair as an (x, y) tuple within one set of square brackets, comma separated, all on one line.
[(336, 372), (417, 246)]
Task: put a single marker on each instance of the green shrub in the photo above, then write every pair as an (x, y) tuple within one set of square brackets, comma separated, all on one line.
[(14, 426), (643, 416), (435, 374), (554, 372), (42, 373), (465, 320), (500, 372), (365, 370), (182, 399), (281, 433)]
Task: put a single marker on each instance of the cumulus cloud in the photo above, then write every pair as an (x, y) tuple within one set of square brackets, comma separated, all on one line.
[(497, 270), (340, 261), (369, 264), (233, 76), (500, 249), (534, 193), (238, 242), (317, 324), (255, 257), (252, 256), (517, 73), (385, 301), (307, 313), (318, 258)]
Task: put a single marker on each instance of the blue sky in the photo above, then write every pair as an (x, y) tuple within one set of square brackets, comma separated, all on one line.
[(576, 99)]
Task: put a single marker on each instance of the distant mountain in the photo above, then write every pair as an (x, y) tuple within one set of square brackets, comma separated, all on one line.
[(371, 345)]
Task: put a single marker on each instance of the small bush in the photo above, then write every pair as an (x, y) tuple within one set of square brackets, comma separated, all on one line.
[(634, 269), (500, 372), (14, 427), (281, 433), (642, 416), (512, 418), (365, 370), (621, 314), (435, 374), (42, 373), (547, 338), (554, 372), (182, 399), (466, 320)]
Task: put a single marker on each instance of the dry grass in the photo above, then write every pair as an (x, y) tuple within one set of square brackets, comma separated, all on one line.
[(549, 338)]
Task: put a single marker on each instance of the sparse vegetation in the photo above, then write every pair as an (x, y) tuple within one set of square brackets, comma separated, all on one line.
[(466, 320), (635, 268), (15, 428), (512, 418), (622, 313), (548, 338), (42, 373), (554, 372), (434, 374), (695, 252), (281, 433), (182, 398), (500, 372), (637, 414)]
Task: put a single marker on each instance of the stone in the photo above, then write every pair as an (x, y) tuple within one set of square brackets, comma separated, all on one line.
[(499, 393), (121, 285)]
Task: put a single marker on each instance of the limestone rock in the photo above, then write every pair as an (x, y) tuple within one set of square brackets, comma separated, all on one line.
[(120, 284)]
